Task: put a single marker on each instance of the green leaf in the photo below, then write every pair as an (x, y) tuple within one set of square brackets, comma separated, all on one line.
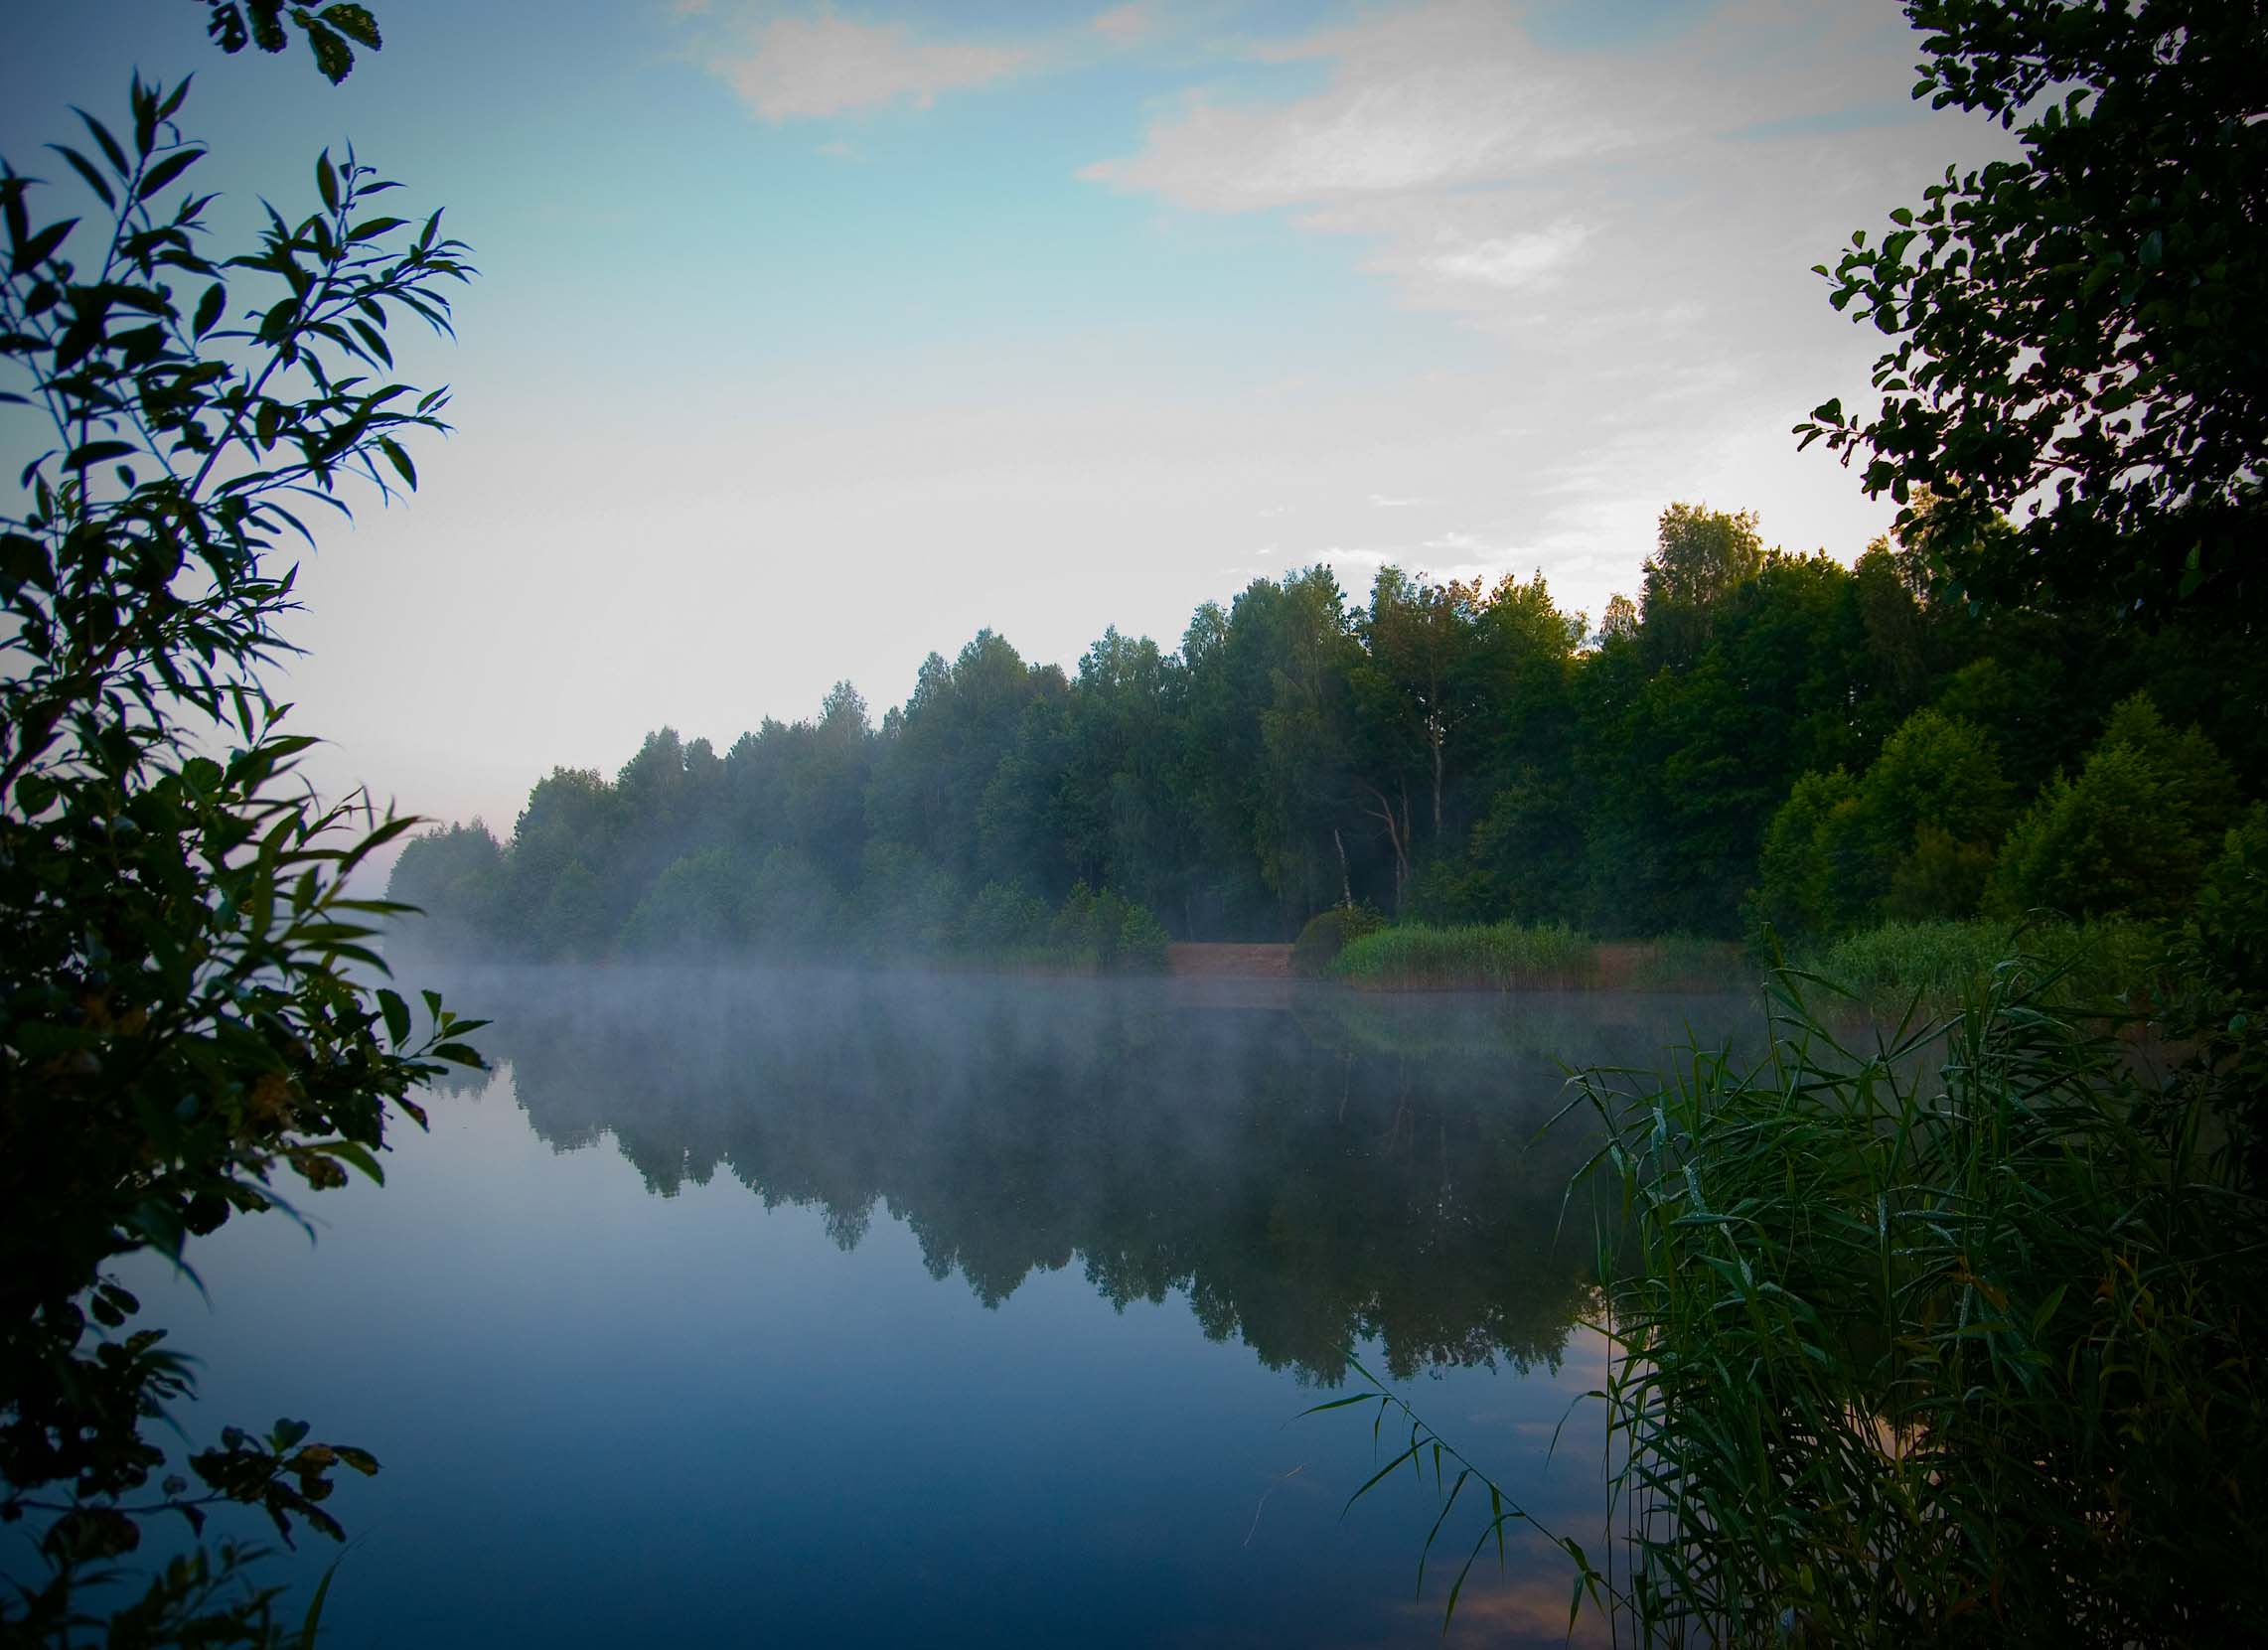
[(96, 452), (30, 254), (327, 180), (398, 459), (111, 152), (85, 169), (352, 1151), (332, 56), (396, 1014), (355, 22), (166, 170)]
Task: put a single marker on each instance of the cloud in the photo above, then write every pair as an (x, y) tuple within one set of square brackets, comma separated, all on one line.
[(1387, 501), (1448, 96), (1123, 23), (1514, 260), (808, 68)]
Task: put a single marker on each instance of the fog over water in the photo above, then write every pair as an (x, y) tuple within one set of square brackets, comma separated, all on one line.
[(812, 1306)]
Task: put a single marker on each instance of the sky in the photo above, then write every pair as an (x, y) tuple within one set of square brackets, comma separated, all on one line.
[(809, 339)]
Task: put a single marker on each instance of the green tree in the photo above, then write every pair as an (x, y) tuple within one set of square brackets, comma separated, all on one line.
[(2078, 334), (188, 1006), (1701, 557), (2131, 834)]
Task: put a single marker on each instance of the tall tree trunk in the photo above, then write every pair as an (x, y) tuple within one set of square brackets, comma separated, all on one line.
[(1347, 883), (1438, 737), (1397, 834)]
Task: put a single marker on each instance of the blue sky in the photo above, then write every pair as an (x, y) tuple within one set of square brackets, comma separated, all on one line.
[(810, 339)]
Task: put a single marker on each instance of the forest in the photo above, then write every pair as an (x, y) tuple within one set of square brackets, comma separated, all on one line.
[(1761, 740)]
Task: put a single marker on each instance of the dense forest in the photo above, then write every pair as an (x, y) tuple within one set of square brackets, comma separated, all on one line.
[(1761, 738)]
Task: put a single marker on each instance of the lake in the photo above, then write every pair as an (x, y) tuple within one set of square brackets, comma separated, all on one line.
[(741, 1306)]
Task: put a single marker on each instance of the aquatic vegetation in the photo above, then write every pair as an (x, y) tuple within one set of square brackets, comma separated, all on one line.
[(1415, 957)]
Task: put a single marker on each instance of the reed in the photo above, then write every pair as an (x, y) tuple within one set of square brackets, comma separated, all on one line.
[(1937, 963), (1415, 957), (1954, 1337)]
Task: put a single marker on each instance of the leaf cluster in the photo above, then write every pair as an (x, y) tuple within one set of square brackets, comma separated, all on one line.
[(189, 1001), (2077, 336), (332, 32)]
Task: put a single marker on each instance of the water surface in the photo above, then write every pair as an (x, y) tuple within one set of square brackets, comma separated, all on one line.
[(774, 1308)]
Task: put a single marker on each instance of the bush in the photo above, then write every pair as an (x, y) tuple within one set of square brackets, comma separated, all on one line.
[(2130, 835), (1327, 934), (1141, 941), (1004, 919)]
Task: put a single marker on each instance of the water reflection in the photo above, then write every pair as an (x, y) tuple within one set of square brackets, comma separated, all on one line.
[(1312, 1169)]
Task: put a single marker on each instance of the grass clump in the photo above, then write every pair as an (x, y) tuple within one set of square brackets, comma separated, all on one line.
[(1415, 957)]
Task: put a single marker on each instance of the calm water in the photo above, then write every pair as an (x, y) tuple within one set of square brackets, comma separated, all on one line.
[(829, 1309)]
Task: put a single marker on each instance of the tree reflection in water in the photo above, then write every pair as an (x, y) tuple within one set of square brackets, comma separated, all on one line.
[(1312, 1168)]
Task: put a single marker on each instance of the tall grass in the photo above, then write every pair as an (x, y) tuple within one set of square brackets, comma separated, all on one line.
[(1955, 1338), (1414, 956), (1940, 963), (1689, 963)]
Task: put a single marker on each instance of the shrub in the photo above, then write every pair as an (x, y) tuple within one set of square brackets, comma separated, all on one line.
[(1141, 941), (2131, 834), (1004, 919), (1327, 934)]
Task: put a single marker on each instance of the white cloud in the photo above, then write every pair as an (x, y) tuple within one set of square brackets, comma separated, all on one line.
[(1448, 97), (812, 67), (1387, 501), (1514, 260), (1123, 23)]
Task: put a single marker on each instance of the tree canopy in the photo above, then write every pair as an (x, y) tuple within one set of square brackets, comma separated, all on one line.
[(2078, 338)]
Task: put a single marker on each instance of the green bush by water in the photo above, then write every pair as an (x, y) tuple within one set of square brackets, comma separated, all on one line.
[(1327, 934)]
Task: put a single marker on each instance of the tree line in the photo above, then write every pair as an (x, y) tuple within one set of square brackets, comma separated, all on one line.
[(1759, 737)]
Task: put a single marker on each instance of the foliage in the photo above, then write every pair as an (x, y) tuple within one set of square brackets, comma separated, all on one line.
[(2131, 834), (1689, 963), (1915, 832), (1004, 919), (186, 1005), (1891, 967), (2079, 332), (1285, 760), (1327, 934), (1493, 957), (1948, 1340), (333, 31), (2220, 957)]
